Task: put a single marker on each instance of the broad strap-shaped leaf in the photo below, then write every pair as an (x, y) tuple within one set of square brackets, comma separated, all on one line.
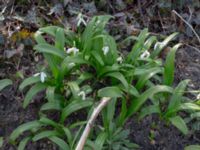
[(149, 110), (45, 121), (98, 57), (137, 103), (60, 142), (176, 100), (29, 81), (49, 49), (74, 87), (51, 106), (74, 106), (100, 140), (84, 76), (168, 76), (143, 79), (32, 92), (178, 122), (22, 128), (68, 134), (119, 76), (60, 39), (51, 30), (4, 83), (189, 106), (192, 147), (149, 42), (45, 134), (50, 93), (159, 46), (112, 91), (23, 143), (136, 50)]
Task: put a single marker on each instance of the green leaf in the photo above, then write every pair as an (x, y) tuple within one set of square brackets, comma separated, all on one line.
[(22, 128), (168, 76), (120, 77), (192, 147), (51, 106), (51, 30), (178, 122), (60, 39), (45, 134), (97, 57), (160, 45), (68, 134), (29, 81), (23, 142), (100, 140), (1, 142), (50, 93), (74, 87), (4, 83), (84, 76), (175, 100), (137, 103), (143, 79), (74, 106), (32, 92), (61, 143), (49, 49), (136, 50), (112, 91), (189, 106), (149, 110), (45, 121)]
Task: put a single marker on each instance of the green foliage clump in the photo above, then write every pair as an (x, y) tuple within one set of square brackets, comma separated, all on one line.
[(82, 68)]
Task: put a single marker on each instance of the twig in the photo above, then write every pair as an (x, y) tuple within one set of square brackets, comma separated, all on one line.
[(187, 24), (90, 122)]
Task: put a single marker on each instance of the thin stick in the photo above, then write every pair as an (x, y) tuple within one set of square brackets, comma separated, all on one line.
[(90, 122), (187, 24)]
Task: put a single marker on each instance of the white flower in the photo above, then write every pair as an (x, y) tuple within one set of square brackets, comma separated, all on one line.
[(198, 96), (105, 50), (80, 20), (146, 54), (82, 94), (42, 76), (73, 50), (120, 59), (71, 64)]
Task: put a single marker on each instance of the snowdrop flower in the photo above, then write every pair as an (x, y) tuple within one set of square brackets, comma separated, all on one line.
[(120, 59), (71, 64), (198, 96), (81, 20), (42, 76), (82, 94), (73, 50), (146, 54), (105, 50)]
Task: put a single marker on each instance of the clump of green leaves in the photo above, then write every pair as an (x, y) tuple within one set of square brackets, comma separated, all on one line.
[(82, 68)]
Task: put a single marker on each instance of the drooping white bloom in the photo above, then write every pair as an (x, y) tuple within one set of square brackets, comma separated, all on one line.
[(105, 50), (198, 96), (73, 50), (145, 54), (120, 59), (42, 76), (71, 64), (82, 94), (80, 20)]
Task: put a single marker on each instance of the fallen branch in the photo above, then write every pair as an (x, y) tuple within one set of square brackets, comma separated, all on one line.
[(104, 101), (187, 24)]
